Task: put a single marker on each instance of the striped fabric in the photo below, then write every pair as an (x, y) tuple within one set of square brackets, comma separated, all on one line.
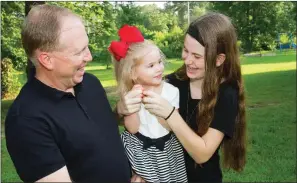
[(154, 165)]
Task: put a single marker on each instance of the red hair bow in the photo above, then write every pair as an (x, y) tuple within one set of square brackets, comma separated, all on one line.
[(128, 34)]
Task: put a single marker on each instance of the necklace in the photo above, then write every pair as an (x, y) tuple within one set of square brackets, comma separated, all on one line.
[(188, 119)]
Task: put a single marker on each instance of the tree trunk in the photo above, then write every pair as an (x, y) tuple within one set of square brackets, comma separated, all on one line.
[(30, 69), (248, 23), (248, 31)]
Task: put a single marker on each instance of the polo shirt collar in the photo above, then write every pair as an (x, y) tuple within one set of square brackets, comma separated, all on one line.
[(53, 93)]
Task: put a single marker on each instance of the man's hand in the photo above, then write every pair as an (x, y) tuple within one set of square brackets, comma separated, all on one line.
[(130, 103), (137, 178), (60, 175)]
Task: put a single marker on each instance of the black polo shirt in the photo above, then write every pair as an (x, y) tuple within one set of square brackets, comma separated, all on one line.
[(47, 129)]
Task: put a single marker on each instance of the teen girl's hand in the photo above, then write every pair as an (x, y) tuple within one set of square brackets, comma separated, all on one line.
[(156, 104)]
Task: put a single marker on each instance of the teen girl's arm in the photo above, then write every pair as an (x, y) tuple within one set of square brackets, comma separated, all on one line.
[(199, 148), (163, 122), (173, 98)]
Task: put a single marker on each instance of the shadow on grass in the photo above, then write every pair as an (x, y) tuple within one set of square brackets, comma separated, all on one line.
[(276, 86)]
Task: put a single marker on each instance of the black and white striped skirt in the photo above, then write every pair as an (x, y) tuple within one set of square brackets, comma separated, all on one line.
[(155, 165)]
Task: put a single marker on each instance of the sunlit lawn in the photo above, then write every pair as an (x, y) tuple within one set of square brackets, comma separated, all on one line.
[(270, 84)]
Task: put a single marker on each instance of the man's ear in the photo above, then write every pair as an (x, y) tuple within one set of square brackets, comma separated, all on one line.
[(220, 59), (44, 59)]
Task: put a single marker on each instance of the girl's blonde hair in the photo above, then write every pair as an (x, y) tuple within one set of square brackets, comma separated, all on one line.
[(125, 68)]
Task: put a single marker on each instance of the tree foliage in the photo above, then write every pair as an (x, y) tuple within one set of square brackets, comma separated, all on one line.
[(12, 16), (257, 22), (10, 84)]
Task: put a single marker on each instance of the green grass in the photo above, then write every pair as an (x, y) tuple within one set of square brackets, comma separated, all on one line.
[(288, 57), (270, 84), (271, 116)]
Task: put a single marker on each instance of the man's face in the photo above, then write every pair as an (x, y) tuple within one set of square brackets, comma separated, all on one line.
[(70, 61)]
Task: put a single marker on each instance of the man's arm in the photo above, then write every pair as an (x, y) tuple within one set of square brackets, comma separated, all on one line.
[(33, 150), (119, 117)]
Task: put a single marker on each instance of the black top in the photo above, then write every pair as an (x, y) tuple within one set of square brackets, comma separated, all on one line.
[(47, 129), (225, 113)]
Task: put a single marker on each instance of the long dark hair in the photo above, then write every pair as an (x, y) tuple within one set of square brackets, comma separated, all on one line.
[(217, 34)]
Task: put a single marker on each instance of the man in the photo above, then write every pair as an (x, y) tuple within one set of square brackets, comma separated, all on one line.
[(61, 128)]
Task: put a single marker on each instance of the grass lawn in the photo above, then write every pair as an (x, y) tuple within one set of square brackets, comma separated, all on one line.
[(270, 84)]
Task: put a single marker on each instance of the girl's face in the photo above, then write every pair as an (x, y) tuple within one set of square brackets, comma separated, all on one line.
[(193, 56), (150, 71)]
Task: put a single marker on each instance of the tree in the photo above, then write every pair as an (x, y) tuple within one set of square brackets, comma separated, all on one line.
[(101, 43), (129, 13), (180, 9), (10, 84), (155, 20), (12, 16), (100, 24), (197, 9), (256, 22), (286, 16)]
